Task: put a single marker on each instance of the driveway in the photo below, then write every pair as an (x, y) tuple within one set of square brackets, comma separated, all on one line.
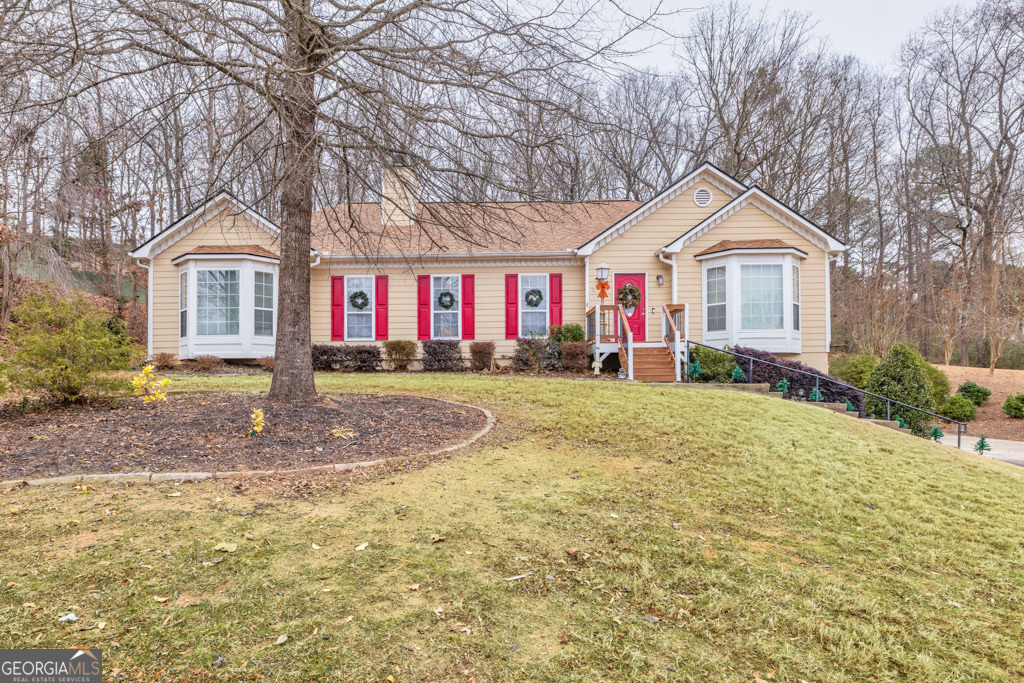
[(1007, 451)]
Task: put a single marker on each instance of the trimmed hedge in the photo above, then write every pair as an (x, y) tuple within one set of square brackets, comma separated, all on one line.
[(576, 356), (528, 354), (481, 355), (959, 408), (360, 358), (975, 393), (901, 376), (800, 386), (443, 355), (569, 332), (715, 366), (400, 353)]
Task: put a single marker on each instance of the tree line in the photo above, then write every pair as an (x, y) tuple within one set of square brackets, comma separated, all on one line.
[(117, 116)]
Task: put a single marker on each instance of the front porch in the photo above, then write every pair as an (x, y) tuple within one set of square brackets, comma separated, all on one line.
[(662, 359)]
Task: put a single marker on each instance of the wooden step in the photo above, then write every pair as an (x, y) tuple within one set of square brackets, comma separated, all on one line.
[(836, 407)]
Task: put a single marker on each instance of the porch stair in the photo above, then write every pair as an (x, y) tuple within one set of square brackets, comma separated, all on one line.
[(652, 364)]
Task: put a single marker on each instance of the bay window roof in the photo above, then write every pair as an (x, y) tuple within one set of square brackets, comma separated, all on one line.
[(227, 250), (775, 246)]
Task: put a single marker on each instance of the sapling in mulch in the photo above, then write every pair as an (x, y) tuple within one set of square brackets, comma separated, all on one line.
[(936, 433), (982, 445)]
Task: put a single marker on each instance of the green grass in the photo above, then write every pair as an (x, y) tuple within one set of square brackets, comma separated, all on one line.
[(716, 535)]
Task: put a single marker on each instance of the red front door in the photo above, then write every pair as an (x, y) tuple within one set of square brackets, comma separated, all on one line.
[(636, 318)]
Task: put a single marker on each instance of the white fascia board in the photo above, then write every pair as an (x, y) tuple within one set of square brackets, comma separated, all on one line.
[(740, 250), (714, 175)]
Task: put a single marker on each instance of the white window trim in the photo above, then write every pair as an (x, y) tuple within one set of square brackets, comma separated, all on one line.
[(786, 340), (458, 307), (372, 307), (273, 273), (245, 344), (183, 275), (546, 306)]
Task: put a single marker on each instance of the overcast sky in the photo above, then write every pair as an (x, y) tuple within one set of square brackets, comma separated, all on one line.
[(869, 29)]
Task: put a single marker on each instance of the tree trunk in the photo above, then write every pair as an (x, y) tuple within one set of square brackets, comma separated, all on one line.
[(293, 359)]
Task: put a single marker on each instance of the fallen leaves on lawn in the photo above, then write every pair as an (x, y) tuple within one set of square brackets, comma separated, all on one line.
[(342, 433), (362, 546), (281, 639), (226, 547)]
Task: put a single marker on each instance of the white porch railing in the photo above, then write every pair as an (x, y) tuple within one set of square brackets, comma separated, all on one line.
[(675, 322), (626, 348)]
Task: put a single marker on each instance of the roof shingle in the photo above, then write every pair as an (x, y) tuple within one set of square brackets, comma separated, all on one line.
[(729, 245), (230, 250)]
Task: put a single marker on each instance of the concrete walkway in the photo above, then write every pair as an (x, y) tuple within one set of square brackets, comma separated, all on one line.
[(1002, 449)]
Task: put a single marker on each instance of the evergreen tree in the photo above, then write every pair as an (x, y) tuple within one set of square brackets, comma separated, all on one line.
[(737, 375), (936, 433), (783, 386), (982, 445)]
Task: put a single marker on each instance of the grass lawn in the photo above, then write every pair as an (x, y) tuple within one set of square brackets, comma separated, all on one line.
[(659, 534)]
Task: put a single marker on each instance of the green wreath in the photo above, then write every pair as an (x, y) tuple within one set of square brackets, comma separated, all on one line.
[(359, 300), (446, 300), (533, 298), (629, 296)]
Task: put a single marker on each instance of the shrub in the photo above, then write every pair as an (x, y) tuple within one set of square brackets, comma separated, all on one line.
[(959, 408), (527, 355), (327, 357), (975, 393), (800, 385), (937, 381), (481, 354), (576, 356), (715, 366), (901, 376), (550, 355), (569, 332), (442, 356), (400, 353), (1013, 406), (164, 361), (207, 363), (267, 363), (853, 369), (64, 346)]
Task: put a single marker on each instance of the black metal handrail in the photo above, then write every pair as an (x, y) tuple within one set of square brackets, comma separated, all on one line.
[(961, 427)]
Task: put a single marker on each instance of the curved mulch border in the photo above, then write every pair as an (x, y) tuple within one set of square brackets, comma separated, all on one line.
[(155, 477)]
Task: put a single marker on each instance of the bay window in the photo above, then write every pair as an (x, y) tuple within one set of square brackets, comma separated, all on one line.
[(263, 304), (217, 301), (534, 305), (715, 298), (796, 298), (761, 306), (183, 305), (445, 307)]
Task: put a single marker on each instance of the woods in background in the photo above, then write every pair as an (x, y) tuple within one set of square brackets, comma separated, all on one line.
[(916, 166)]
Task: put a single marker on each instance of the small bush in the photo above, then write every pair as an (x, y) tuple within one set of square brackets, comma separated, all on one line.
[(569, 332), (327, 357), (576, 356), (901, 376), (164, 361), (361, 358), (527, 356), (443, 355), (937, 381), (481, 354), (853, 369), (715, 366), (550, 355), (975, 393), (959, 408), (66, 347), (400, 353), (1013, 406), (267, 363), (800, 385), (207, 363)]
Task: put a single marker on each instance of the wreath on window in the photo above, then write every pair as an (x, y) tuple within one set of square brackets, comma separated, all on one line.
[(446, 300), (533, 298), (359, 300), (629, 296)]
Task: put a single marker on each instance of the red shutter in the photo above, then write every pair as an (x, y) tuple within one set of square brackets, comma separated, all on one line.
[(338, 308), (511, 306), (423, 307), (555, 284), (468, 307), (381, 306)]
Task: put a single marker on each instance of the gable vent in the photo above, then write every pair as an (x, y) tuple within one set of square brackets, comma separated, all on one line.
[(702, 196)]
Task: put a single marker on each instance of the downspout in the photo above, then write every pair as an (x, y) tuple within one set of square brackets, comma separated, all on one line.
[(586, 284), (675, 289), (149, 305)]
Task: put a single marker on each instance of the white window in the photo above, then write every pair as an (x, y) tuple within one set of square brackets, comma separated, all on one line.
[(715, 299), (796, 298), (359, 307), (533, 319), (183, 305), (446, 306), (761, 297), (217, 300), (263, 304)]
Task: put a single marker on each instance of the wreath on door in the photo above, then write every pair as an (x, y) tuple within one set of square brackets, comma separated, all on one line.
[(359, 300), (446, 300), (629, 296), (533, 298)]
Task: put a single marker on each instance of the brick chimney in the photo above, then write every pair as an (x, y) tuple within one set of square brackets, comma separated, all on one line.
[(398, 195)]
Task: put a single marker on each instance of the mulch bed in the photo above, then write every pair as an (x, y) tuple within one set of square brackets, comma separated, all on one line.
[(207, 433)]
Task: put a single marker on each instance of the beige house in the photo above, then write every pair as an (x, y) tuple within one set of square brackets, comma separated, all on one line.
[(713, 261)]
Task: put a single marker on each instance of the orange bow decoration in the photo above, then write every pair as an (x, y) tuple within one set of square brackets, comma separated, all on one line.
[(602, 289)]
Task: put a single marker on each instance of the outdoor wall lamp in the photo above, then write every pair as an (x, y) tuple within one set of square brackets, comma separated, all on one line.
[(661, 280), (602, 271)]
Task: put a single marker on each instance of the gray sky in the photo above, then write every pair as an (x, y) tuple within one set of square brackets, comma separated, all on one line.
[(869, 29)]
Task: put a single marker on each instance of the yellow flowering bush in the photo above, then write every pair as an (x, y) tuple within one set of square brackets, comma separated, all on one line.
[(146, 385), (257, 422)]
